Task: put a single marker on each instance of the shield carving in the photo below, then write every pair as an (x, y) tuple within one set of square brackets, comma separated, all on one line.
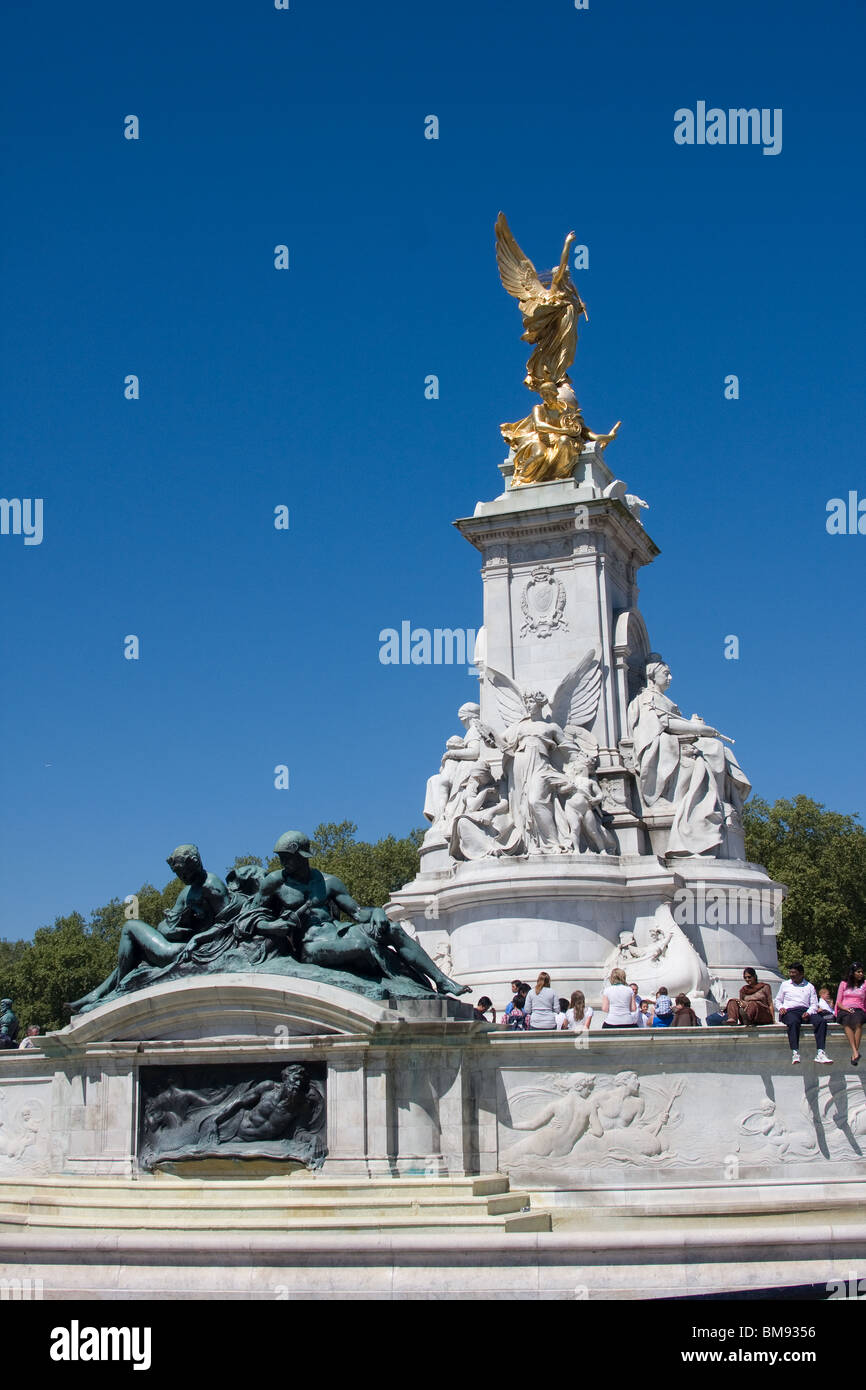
[(543, 603)]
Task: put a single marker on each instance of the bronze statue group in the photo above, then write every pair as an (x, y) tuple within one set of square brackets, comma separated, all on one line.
[(295, 920)]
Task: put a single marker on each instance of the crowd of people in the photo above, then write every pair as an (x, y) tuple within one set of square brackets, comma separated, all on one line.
[(796, 1002)]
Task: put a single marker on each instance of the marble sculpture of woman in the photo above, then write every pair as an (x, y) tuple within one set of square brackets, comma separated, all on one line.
[(536, 747), (685, 762)]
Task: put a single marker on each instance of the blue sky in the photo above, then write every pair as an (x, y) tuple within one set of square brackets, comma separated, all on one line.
[(306, 388)]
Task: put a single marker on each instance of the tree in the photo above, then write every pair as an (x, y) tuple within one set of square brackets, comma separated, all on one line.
[(11, 953), (62, 962), (821, 856), (246, 859)]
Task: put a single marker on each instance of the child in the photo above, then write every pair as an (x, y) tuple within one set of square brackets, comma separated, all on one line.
[(684, 1014), (515, 1016), (663, 1014), (581, 809), (578, 1015), (825, 1001)]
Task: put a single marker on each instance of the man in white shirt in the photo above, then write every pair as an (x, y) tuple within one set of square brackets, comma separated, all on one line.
[(795, 1002)]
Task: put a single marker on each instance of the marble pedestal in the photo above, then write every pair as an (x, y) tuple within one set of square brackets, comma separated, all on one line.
[(559, 573), (503, 919), (439, 1093), (653, 1151)]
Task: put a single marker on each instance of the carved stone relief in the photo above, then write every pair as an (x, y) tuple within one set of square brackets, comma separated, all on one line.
[(23, 1132), (542, 603), (769, 1138), (580, 1119)]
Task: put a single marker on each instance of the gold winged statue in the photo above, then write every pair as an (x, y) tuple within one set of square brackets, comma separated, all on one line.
[(546, 444), (549, 303)]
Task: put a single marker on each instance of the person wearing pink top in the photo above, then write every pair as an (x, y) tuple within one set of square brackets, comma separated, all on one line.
[(851, 1008)]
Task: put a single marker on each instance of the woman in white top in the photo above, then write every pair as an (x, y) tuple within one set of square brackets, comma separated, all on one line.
[(578, 1017), (618, 1003), (542, 1004)]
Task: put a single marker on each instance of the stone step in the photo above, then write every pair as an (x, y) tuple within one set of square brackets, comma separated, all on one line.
[(752, 1201), (283, 1223), (154, 1187), (272, 1205), (141, 1213)]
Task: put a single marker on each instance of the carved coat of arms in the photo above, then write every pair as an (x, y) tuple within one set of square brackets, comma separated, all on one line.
[(543, 603)]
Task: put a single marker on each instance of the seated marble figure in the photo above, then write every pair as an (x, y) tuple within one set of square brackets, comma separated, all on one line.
[(684, 768), (290, 921)]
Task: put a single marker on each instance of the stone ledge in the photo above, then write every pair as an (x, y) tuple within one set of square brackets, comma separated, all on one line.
[(210, 1006), (595, 1242)]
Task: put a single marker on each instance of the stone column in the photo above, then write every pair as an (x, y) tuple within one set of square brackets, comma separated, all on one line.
[(483, 1108), (455, 1139), (94, 1111), (346, 1115), (419, 1152), (380, 1136)]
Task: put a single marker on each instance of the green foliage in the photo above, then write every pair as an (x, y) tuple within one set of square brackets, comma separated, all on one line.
[(106, 923), (11, 953), (150, 903), (371, 872), (821, 856), (62, 962)]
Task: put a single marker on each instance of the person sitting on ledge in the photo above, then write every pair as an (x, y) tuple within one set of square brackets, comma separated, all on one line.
[(618, 1002), (755, 1004), (202, 897), (684, 1014), (515, 1012), (578, 1015), (482, 1009), (541, 1004), (663, 1010), (851, 1008), (825, 1003), (797, 1002)]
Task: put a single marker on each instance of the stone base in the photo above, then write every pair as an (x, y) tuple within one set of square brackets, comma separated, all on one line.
[(709, 1134), (508, 918)]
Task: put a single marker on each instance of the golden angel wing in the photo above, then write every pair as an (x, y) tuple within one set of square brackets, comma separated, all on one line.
[(516, 271)]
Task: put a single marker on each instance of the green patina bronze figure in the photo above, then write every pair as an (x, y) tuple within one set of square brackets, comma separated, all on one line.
[(8, 1024), (233, 1112), (313, 902), (197, 906), (289, 922)]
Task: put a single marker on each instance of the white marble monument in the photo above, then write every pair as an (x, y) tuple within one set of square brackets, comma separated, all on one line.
[(579, 805)]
